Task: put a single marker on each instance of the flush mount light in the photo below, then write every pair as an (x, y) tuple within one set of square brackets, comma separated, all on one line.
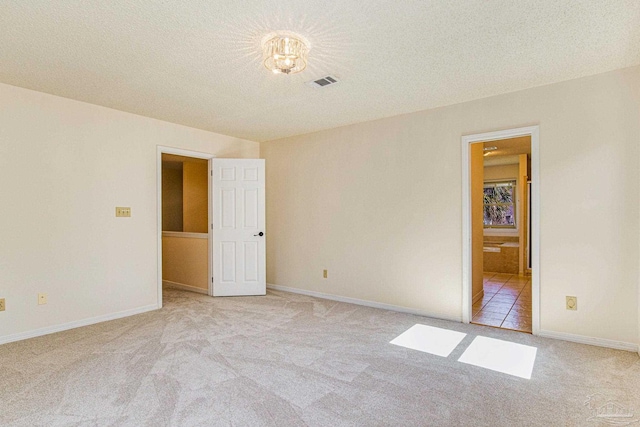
[(488, 150), (285, 53)]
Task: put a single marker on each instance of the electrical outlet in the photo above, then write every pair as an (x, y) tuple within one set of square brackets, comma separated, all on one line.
[(42, 299), (324, 273), (2, 305), (123, 211), (572, 303)]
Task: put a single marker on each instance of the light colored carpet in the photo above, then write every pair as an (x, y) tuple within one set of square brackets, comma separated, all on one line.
[(289, 360)]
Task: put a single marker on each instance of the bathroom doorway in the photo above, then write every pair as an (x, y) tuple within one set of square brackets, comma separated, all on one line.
[(501, 284)]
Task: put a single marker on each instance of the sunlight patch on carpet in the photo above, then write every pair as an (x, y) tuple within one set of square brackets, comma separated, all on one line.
[(501, 356), (429, 339)]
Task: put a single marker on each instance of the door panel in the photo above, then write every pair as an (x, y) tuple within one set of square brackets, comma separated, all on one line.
[(228, 208), (239, 251)]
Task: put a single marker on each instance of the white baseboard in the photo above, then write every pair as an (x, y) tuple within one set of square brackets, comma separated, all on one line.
[(72, 325), (477, 297), (581, 339), (600, 342), (365, 303), (184, 287)]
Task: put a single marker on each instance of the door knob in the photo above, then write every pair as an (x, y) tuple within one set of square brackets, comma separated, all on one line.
[(259, 234)]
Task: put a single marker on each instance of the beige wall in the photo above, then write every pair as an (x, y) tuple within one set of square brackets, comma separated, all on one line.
[(185, 260), (64, 167), (501, 172), (195, 205), (477, 220), (379, 204)]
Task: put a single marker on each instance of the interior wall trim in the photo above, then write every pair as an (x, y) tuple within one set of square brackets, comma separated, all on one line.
[(77, 324), (582, 339), (477, 297), (182, 286), (184, 235), (362, 302)]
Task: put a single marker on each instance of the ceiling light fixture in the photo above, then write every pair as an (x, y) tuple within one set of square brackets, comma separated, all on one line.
[(285, 54), (488, 150)]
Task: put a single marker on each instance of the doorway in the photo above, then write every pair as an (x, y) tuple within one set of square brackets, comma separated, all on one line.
[(501, 285), (234, 230), (185, 219), (184, 215)]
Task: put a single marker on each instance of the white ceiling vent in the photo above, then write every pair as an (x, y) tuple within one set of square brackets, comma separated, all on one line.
[(323, 82)]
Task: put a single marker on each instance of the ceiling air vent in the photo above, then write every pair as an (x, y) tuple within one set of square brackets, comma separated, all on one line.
[(323, 82)]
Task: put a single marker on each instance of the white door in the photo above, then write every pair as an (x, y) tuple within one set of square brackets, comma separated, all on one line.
[(239, 250)]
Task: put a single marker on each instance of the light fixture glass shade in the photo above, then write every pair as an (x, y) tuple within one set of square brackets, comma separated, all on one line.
[(285, 54)]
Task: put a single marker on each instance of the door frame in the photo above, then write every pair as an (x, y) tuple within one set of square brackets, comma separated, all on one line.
[(160, 150), (467, 140)]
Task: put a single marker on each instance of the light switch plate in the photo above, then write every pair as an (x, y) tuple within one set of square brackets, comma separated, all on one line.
[(572, 303), (324, 273), (2, 304), (123, 211)]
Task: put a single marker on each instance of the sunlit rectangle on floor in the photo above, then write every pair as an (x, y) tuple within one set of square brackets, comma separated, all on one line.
[(429, 339), (501, 356)]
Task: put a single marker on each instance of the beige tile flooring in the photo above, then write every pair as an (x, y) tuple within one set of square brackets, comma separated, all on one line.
[(506, 302)]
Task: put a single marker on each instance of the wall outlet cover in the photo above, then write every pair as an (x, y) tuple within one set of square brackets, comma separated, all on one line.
[(324, 273), (572, 303), (42, 299), (2, 305)]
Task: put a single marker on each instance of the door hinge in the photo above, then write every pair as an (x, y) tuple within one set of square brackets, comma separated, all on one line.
[(212, 226), (212, 280)]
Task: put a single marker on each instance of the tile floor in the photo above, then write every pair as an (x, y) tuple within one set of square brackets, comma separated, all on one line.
[(506, 302)]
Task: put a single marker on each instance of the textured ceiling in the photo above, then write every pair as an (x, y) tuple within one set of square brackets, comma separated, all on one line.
[(198, 62)]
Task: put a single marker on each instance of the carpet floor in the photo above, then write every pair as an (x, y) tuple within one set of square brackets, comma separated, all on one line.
[(292, 360)]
